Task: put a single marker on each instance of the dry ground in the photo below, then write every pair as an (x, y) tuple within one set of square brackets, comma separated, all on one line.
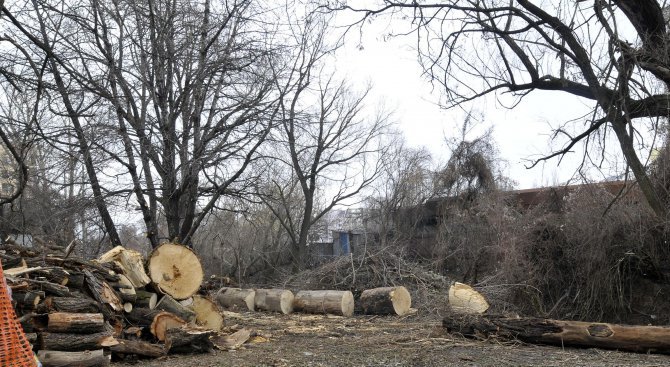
[(312, 340)]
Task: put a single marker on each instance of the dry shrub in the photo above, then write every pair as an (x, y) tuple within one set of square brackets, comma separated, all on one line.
[(383, 268)]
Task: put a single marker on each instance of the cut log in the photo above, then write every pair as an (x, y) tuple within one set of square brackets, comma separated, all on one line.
[(644, 339), (50, 288), (169, 304), (386, 301), (138, 347), (145, 299), (72, 304), (142, 316), (325, 302), (175, 270), (126, 290), (54, 275), (127, 307), (274, 300), (207, 313), (131, 262), (102, 292), (163, 322), (188, 340), (89, 358), (28, 300), (236, 298), (464, 299), (75, 342), (83, 323)]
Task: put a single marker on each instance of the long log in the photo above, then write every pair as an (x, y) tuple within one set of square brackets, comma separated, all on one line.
[(75, 342), (89, 358), (274, 300), (188, 340), (84, 323), (175, 270), (72, 304), (169, 304), (131, 262), (386, 301), (328, 302), (142, 316), (634, 338), (236, 298), (138, 347)]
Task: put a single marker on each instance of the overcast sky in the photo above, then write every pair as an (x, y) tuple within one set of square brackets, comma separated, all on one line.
[(522, 134)]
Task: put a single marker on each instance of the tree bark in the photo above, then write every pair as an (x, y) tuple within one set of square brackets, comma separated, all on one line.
[(236, 297), (89, 358), (633, 338), (188, 340), (138, 347), (169, 304), (75, 342), (84, 323), (274, 300)]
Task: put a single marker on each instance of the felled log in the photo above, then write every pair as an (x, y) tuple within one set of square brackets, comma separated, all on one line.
[(50, 288), (163, 322), (325, 302), (54, 275), (236, 297), (145, 299), (175, 270), (75, 342), (72, 304), (464, 299), (27, 300), (634, 338), (127, 291), (84, 323), (131, 262), (188, 340), (138, 347), (274, 300), (102, 292), (207, 313), (386, 301), (169, 304), (142, 316), (89, 358)]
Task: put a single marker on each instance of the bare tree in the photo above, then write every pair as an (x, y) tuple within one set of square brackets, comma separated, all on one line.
[(476, 48), (326, 139)]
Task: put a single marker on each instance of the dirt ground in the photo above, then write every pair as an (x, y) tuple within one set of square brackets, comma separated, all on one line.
[(314, 340)]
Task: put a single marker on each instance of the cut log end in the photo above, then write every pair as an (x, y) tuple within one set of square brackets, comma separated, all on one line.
[(325, 302), (237, 298), (274, 300), (207, 313), (464, 299), (386, 300), (163, 322), (176, 270)]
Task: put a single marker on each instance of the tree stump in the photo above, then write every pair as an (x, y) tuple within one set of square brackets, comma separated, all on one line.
[(325, 302), (274, 300), (386, 301), (236, 298)]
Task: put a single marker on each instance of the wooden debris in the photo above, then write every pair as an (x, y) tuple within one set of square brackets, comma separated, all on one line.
[(89, 358), (175, 270), (275, 300), (145, 299), (163, 322), (232, 341), (188, 339), (242, 299), (325, 302), (139, 347), (169, 304), (464, 299), (131, 262), (207, 313), (634, 338), (386, 301)]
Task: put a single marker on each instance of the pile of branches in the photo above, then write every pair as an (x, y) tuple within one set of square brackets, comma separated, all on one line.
[(384, 268)]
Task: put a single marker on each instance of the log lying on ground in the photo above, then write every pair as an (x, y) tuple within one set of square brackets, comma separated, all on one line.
[(65, 322), (169, 304), (131, 262), (175, 270), (386, 301), (634, 338), (207, 313), (464, 299), (89, 358), (188, 340), (163, 322), (236, 298), (75, 342), (274, 300), (328, 302), (138, 347)]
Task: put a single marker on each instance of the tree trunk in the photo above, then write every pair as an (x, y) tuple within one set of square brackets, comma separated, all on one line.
[(236, 297), (386, 301), (274, 300), (325, 302), (644, 339), (175, 270), (89, 358), (84, 323), (138, 347), (75, 342)]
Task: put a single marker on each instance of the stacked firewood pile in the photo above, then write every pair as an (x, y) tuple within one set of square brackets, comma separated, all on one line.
[(85, 312)]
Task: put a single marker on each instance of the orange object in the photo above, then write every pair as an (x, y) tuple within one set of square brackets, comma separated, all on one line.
[(15, 351)]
